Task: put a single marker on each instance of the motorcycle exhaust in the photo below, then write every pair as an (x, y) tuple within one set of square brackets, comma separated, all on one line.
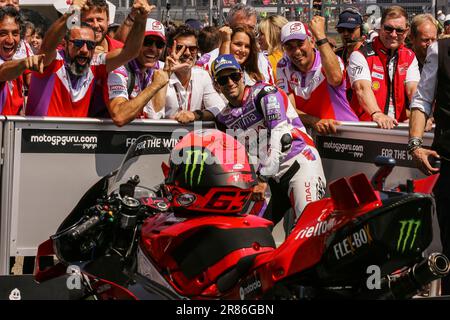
[(408, 283)]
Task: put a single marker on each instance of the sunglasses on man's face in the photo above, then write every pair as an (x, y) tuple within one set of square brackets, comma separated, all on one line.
[(80, 43), (235, 77), (192, 49), (148, 42), (390, 29)]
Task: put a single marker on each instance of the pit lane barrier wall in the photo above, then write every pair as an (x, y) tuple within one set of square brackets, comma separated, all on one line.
[(48, 164)]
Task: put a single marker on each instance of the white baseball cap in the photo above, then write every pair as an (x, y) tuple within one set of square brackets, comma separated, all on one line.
[(155, 28), (294, 30)]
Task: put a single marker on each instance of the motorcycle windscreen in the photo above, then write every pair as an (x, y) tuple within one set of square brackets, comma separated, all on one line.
[(137, 161), (391, 237)]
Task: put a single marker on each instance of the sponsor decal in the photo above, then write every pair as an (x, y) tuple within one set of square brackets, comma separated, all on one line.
[(377, 75), (186, 199), (320, 228), (240, 178), (357, 70), (353, 242), (15, 295), (296, 27), (91, 141), (357, 150), (117, 87), (195, 159), (157, 26), (238, 166), (375, 85), (273, 117), (378, 68), (408, 233), (250, 287)]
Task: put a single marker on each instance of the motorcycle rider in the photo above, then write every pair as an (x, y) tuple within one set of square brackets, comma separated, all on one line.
[(293, 167)]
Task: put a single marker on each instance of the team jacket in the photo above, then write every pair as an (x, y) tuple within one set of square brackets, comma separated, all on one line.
[(377, 59)]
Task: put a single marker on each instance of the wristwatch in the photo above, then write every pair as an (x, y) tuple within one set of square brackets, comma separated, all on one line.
[(414, 143), (262, 178), (321, 42)]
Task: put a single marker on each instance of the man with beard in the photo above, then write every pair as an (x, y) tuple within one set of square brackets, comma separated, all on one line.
[(137, 84), (384, 73), (66, 86), (11, 82), (313, 78), (190, 88)]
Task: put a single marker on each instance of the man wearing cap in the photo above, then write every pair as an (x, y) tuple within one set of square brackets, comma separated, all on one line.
[(65, 88), (136, 85), (190, 88), (240, 14), (384, 73), (313, 78), (350, 28), (288, 159)]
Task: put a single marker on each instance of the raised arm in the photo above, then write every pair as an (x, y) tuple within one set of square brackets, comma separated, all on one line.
[(56, 33), (119, 57), (330, 62)]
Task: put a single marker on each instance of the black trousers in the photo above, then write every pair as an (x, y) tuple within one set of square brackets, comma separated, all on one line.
[(442, 195)]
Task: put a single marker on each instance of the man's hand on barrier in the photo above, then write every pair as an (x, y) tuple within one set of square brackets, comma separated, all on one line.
[(326, 126), (258, 193), (384, 121), (184, 116), (35, 63), (421, 156)]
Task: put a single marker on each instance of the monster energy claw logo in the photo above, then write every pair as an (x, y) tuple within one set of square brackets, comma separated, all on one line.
[(408, 233), (196, 158)]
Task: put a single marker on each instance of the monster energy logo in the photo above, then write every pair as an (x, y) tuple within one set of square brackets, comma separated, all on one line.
[(196, 158), (408, 233)]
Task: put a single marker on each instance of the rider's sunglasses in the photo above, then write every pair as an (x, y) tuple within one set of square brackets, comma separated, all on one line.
[(235, 77), (80, 43), (390, 29), (148, 42), (192, 49)]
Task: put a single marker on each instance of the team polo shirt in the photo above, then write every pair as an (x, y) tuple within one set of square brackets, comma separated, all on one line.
[(11, 97), (59, 93), (263, 65), (199, 95), (118, 85), (313, 94)]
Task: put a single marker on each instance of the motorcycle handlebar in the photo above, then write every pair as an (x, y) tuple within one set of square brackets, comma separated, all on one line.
[(78, 231)]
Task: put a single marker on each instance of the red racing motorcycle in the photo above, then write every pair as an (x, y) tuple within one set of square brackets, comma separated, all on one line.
[(188, 238)]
